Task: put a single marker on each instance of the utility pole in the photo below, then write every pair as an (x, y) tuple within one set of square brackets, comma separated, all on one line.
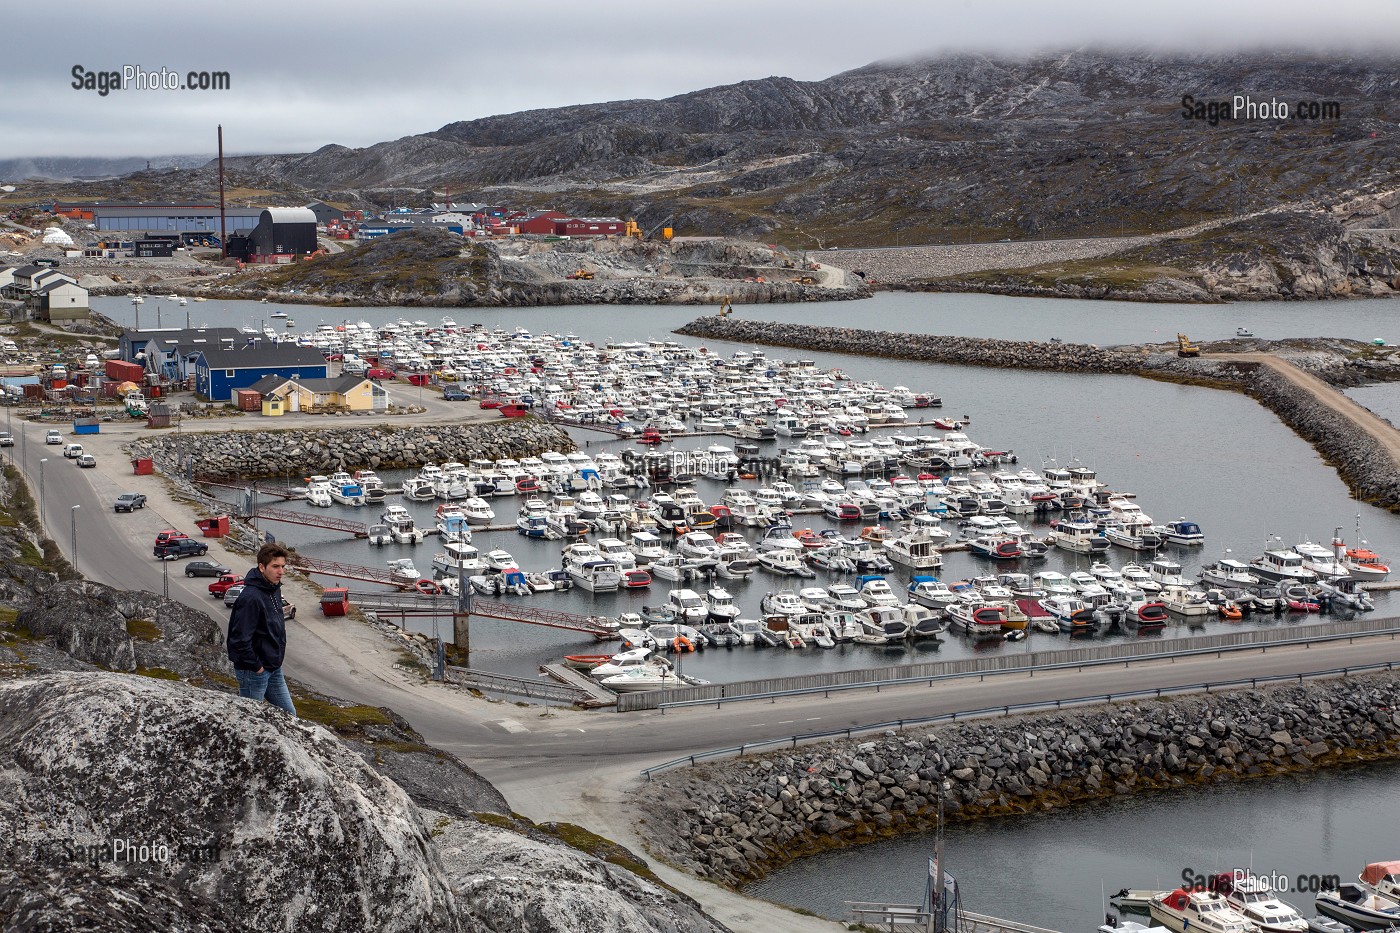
[(461, 619), (42, 461), (73, 515)]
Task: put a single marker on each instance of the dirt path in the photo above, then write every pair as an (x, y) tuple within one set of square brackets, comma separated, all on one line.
[(1385, 433)]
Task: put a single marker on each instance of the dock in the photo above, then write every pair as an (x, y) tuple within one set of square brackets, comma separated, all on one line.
[(597, 694), (532, 688), (914, 918)]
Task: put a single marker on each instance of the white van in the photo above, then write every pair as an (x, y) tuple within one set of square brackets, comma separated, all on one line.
[(73, 451)]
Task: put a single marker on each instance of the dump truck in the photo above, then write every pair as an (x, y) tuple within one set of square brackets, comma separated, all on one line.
[(580, 274), (1184, 346)]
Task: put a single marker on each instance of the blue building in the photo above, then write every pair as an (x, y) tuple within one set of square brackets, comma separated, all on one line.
[(171, 352), (218, 372)]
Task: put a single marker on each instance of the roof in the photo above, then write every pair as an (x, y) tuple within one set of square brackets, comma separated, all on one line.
[(290, 215), (339, 385), (1378, 870), (262, 354), (50, 286), (196, 337)]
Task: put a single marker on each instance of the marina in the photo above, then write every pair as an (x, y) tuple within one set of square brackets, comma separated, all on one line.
[(617, 455)]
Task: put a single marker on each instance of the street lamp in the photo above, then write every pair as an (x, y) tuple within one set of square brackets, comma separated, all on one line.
[(42, 461), (136, 310), (73, 516)]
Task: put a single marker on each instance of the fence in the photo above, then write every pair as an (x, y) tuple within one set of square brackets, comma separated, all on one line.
[(792, 741), (1012, 660)]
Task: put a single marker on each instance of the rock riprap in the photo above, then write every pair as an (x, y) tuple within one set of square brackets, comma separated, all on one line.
[(251, 454), (735, 820)]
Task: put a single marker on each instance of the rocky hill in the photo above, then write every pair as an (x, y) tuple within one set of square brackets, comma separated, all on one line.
[(433, 267), (936, 150)]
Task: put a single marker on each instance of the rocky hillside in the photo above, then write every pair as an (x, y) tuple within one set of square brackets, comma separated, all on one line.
[(937, 150), (1281, 255), (430, 267), (120, 727)]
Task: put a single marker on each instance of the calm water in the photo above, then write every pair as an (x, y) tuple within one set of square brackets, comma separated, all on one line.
[(1215, 457), (1051, 869)]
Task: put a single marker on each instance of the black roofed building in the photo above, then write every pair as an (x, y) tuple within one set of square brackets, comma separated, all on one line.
[(218, 372), (283, 234)]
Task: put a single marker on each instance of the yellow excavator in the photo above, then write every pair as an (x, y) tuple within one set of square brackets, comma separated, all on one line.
[(581, 274), (1184, 346)]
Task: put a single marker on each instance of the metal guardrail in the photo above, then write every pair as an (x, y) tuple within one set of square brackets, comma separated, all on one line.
[(515, 686), (1012, 662), (792, 741)]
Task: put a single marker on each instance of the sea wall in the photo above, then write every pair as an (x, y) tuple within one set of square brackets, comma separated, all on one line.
[(252, 454), (928, 348), (736, 820)]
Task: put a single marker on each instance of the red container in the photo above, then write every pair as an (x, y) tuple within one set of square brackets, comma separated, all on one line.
[(60, 383), (335, 601), (216, 527), (143, 466), (247, 400), (419, 379), (125, 372)]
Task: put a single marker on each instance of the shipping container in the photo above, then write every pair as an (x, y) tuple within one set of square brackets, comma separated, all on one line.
[(247, 400), (122, 371)]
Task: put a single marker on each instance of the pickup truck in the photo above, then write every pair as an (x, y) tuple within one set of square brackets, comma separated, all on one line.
[(219, 587), (129, 502), (180, 547)]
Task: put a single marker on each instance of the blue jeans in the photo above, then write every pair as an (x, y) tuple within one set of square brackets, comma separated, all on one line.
[(269, 685)]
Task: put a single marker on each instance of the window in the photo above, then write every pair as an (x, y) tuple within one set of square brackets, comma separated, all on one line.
[(228, 373)]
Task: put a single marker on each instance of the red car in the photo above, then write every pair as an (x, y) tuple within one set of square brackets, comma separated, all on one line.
[(379, 373), (219, 587), (169, 534)]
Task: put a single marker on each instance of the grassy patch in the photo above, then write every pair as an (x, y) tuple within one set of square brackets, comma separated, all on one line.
[(599, 847), (8, 614), (159, 673), (1127, 275), (144, 629), (347, 718)]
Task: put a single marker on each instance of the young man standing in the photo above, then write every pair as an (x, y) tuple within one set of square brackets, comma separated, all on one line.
[(257, 631)]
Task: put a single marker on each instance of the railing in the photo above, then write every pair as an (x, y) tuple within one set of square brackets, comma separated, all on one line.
[(792, 741), (515, 686), (1010, 662)]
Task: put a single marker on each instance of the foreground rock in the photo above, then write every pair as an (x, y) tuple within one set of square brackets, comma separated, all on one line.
[(736, 820), (200, 807)]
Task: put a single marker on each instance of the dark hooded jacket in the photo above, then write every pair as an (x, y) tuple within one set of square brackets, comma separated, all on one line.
[(257, 631)]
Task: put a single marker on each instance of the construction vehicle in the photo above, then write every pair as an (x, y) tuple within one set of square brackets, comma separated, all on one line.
[(804, 280), (1184, 346), (630, 228), (582, 274)]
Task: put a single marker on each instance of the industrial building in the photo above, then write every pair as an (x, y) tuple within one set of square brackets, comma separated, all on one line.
[(172, 352), (167, 218), (283, 234)]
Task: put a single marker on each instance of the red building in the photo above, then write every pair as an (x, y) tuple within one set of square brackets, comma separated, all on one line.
[(588, 226), (538, 222)]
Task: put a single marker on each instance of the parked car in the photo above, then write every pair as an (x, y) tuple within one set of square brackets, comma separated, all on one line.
[(87, 461), (219, 587), (72, 451), (232, 593), (205, 568), (129, 502), (289, 611), (7, 439), (53, 437), (454, 394), (176, 548), (169, 534)]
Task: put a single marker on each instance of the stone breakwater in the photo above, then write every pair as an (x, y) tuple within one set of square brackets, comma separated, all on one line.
[(928, 348), (736, 820), (252, 454)]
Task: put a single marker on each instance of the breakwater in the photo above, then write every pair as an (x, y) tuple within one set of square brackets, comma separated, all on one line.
[(254, 454), (928, 348), (736, 820)]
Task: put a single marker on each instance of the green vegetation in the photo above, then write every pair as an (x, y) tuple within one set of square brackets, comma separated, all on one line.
[(144, 629), (159, 673), (1109, 272), (351, 719)]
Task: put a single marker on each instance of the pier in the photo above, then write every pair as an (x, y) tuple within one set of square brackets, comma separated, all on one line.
[(292, 517)]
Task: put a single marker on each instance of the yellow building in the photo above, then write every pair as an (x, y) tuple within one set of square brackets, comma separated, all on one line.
[(348, 392)]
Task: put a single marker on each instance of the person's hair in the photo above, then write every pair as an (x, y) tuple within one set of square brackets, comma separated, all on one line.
[(270, 552)]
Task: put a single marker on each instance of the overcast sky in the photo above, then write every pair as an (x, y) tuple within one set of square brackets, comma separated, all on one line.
[(307, 72)]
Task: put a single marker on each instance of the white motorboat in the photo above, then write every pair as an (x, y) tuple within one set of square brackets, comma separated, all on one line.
[(1137, 575), (379, 535), (458, 559), (1282, 565), (784, 562), (646, 547), (319, 495), (418, 489), (477, 511), (689, 606), (1251, 895), (984, 621), (783, 603), (346, 491), (1185, 601), (1070, 613), (1182, 532), (815, 598), (699, 547), (596, 576), (1382, 878), (402, 571), (631, 659), (642, 679), (1198, 912), (500, 559), (932, 593), (917, 549), (876, 591), (1324, 561), (1359, 907), (845, 597), (1079, 537), (1227, 572), (882, 624), (721, 604)]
